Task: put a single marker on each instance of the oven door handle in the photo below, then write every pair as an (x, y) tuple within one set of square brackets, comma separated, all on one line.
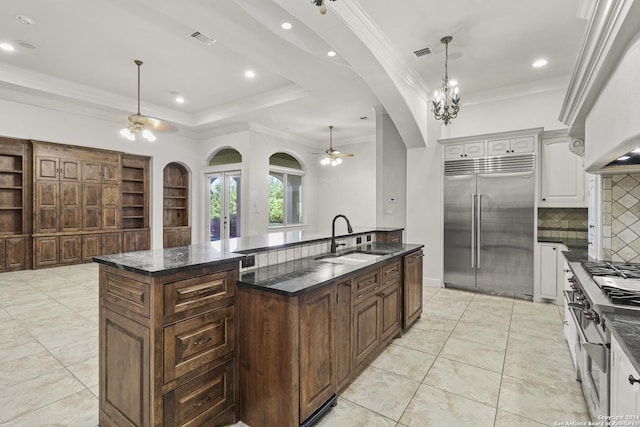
[(598, 353)]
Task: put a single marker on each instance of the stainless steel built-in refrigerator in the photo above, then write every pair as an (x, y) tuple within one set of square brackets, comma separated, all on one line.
[(489, 224)]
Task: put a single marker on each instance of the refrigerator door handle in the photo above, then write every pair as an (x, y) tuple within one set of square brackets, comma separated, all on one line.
[(479, 228), (473, 230)]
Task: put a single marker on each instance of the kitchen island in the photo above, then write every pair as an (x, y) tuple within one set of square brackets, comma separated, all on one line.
[(186, 338)]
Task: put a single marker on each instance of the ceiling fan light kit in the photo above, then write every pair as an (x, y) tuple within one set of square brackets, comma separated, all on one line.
[(321, 5), (446, 103), (142, 125), (331, 156)]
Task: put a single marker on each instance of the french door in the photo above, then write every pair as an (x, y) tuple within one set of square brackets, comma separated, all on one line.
[(224, 205)]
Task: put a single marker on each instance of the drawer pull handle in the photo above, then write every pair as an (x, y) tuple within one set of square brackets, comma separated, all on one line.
[(633, 380), (202, 402), (206, 340), (204, 291), (376, 288), (359, 296)]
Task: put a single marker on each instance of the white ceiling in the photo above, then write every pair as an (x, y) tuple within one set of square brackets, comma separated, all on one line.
[(85, 50)]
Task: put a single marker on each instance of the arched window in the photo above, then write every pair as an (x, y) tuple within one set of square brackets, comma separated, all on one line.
[(225, 156), (285, 190)]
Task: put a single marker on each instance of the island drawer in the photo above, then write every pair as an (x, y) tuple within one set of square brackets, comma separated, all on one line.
[(198, 341), (125, 292), (206, 400), (366, 284), (197, 292), (392, 272)]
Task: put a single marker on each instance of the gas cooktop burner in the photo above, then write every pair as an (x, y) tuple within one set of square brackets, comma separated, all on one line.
[(627, 271), (621, 296)]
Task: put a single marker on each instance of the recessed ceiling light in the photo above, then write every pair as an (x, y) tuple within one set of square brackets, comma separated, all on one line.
[(7, 47), (331, 53), (453, 83), (286, 25), (25, 19), (179, 100), (249, 74), (540, 63)]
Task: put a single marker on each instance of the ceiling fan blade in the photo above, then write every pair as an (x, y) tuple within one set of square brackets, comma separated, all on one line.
[(343, 155), (152, 123)]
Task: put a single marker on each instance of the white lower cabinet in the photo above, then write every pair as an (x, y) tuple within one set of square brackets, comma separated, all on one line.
[(551, 276), (624, 392)]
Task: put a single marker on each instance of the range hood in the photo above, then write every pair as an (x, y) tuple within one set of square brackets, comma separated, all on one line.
[(628, 162)]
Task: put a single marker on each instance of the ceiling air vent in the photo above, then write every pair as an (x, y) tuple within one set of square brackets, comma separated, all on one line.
[(422, 52), (207, 41)]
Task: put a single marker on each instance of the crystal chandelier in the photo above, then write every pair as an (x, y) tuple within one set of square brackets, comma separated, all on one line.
[(446, 103), (321, 5)]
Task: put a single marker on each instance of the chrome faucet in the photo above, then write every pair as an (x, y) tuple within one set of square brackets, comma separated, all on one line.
[(333, 231)]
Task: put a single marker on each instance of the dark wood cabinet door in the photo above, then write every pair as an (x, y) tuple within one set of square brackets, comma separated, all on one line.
[(47, 207), (16, 251), (343, 333), (110, 207), (111, 173), (71, 206), (412, 287), (391, 317), (135, 240), (124, 371), (91, 213), (70, 170), (177, 236), (317, 349), (366, 328), (3, 257), (47, 168), (70, 249), (90, 246), (45, 251), (91, 172), (111, 243)]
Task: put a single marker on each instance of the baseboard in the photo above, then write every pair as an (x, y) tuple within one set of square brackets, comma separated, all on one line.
[(432, 282)]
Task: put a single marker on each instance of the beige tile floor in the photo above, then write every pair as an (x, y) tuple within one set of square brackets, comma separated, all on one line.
[(472, 360)]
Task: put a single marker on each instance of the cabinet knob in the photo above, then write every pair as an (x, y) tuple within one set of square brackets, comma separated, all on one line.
[(544, 199), (633, 380), (592, 226), (554, 248)]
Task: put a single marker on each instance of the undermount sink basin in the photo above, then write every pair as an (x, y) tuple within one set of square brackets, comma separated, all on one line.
[(350, 258)]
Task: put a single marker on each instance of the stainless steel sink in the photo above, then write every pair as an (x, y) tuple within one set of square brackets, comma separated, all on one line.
[(350, 258)]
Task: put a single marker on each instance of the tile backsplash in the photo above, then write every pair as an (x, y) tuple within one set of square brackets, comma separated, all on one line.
[(562, 223), (621, 217), (270, 257)]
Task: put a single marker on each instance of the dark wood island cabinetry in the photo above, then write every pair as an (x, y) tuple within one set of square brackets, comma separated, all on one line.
[(168, 338)]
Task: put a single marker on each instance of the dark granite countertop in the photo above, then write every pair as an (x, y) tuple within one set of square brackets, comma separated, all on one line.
[(164, 261), (626, 329), (299, 276)]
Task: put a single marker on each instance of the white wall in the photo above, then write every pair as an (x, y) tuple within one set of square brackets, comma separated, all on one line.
[(18, 120), (424, 165), (348, 189), (391, 173), (612, 127)]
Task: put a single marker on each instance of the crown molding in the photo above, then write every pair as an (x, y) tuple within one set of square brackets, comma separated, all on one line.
[(516, 91), (361, 24), (612, 26)]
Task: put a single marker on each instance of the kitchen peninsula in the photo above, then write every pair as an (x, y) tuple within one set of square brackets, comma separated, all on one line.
[(188, 337)]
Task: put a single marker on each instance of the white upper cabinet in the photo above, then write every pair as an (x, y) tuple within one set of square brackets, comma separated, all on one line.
[(562, 182), (499, 147), (461, 151)]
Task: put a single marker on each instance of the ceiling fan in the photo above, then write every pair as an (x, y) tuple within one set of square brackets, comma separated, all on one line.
[(144, 125), (332, 156)]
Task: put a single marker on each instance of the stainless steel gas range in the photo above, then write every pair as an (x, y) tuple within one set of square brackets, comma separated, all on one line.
[(596, 288)]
